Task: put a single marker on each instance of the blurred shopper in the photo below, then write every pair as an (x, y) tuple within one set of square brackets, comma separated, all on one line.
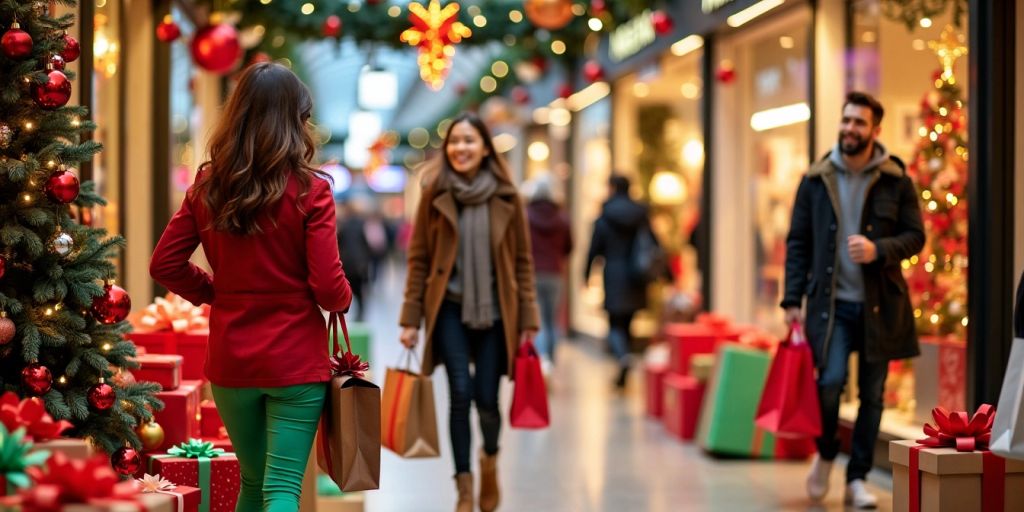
[(355, 251), (551, 240), (265, 218), (856, 217), (470, 282), (622, 223)]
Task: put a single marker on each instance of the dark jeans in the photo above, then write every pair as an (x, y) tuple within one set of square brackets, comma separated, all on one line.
[(619, 336), (457, 346), (848, 337), (549, 296)]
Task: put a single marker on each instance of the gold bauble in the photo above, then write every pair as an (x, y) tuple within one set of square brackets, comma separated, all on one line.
[(549, 14), (151, 434)]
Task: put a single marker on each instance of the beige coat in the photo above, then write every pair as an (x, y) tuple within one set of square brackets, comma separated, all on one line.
[(432, 253)]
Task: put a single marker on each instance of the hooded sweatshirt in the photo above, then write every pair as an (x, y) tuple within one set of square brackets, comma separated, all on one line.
[(550, 236), (853, 190)]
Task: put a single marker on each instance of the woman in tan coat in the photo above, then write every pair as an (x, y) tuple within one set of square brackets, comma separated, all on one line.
[(470, 283)]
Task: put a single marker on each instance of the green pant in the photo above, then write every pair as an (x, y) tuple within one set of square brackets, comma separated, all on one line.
[(272, 431)]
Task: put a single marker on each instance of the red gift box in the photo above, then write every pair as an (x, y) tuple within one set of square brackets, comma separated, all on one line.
[(164, 369), (210, 425), (654, 388), (686, 340), (179, 418), (190, 345), (223, 472), (683, 397)]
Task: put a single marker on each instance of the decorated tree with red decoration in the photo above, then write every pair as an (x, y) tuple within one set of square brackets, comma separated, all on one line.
[(61, 316), (938, 276)]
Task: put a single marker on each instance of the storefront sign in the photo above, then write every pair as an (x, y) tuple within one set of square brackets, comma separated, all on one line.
[(632, 37), (709, 6)]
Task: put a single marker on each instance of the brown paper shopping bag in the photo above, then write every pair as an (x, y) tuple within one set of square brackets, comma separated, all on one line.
[(348, 447), (408, 416)]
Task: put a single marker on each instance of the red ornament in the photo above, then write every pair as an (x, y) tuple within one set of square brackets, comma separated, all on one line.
[(113, 306), (3, 266), (101, 396), (540, 62), (215, 48), (549, 14), (16, 43), (62, 186), (663, 24), (565, 90), (126, 461), (332, 26), (57, 62), (37, 379), (520, 95), (53, 93), (7, 330), (593, 71), (168, 31), (725, 74), (598, 7), (71, 49)]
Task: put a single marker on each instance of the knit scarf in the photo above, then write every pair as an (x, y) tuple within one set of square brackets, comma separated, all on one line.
[(476, 269)]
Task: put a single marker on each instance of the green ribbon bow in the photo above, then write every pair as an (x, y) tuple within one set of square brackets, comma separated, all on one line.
[(202, 451), (16, 456)]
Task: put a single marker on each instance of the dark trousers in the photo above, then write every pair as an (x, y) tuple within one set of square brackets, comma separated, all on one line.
[(457, 346), (619, 336), (848, 337)]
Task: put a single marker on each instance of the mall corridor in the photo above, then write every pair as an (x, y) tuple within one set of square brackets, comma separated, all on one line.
[(600, 454)]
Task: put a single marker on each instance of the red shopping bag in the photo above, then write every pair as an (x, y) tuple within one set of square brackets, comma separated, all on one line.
[(789, 404), (529, 398)]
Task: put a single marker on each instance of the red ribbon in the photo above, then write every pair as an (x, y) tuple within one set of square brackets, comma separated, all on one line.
[(348, 364), (68, 481), (915, 479), (993, 482), (31, 414)]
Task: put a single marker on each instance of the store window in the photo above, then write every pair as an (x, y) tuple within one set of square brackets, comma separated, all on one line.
[(185, 156), (761, 153), (917, 68), (106, 109)]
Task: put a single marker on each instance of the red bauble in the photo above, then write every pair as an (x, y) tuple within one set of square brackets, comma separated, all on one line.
[(37, 379), (725, 74), (593, 71), (540, 62), (663, 24), (168, 31), (101, 396), (520, 95), (16, 43), (62, 186), (598, 7), (57, 62), (332, 26), (215, 48), (55, 92), (113, 306), (7, 330), (71, 49), (565, 90), (126, 461)]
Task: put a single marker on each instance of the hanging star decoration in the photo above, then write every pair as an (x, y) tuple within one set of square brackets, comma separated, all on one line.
[(948, 48), (380, 152), (435, 31)]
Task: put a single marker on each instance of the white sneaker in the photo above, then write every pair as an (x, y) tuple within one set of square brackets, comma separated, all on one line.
[(859, 497), (546, 367), (818, 479)]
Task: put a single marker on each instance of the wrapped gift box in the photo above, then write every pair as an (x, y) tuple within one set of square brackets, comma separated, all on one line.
[(733, 392), (221, 492), (210, 425), (164, 369), (687, 340), (143, 502), (191, 346), (683, 397), (952, 481), (179, 418), (74, 448), (654, 388)]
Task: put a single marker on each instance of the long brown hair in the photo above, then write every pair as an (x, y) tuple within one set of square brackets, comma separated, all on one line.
[(440, 165), (262, 137)]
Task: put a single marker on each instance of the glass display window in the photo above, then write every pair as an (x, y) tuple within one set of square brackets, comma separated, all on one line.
[(106, 112)]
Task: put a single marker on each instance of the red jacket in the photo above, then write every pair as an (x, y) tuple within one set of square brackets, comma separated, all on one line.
[(265, 327)]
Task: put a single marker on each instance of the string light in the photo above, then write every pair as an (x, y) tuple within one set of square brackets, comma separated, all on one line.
[(595, 24), (75, 122), (308, 8), (934, 318), (62, 380), (932, 206), (480, 21), (106, 347), (29, 125), (27, 198), (515, 16)]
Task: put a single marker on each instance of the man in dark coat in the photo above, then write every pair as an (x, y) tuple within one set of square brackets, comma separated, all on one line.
[(856, 217), (621, 220), (355, 253)]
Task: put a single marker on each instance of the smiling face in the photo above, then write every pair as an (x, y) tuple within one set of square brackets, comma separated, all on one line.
[(857, 130), (465, 148)]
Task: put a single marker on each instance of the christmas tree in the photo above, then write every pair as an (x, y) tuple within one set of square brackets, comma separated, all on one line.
[(62, 327), (938, 276)]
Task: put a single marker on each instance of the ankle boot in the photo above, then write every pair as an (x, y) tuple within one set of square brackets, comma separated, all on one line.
[(464, 485), (490, 493)]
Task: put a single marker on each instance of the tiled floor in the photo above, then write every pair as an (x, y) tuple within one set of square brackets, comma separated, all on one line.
[(601, 453)]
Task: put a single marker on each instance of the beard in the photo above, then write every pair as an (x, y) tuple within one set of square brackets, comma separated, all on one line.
[(855, 146)]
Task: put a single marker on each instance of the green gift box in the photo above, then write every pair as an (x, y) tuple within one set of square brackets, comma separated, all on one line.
[(730, 405), (359, 335)]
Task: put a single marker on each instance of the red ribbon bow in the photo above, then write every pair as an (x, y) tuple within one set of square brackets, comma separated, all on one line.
[(348, 364), (954, 429), (73, 481), (31, 414)]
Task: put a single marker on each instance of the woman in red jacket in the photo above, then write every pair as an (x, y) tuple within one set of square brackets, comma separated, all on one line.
[(266, 221)]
